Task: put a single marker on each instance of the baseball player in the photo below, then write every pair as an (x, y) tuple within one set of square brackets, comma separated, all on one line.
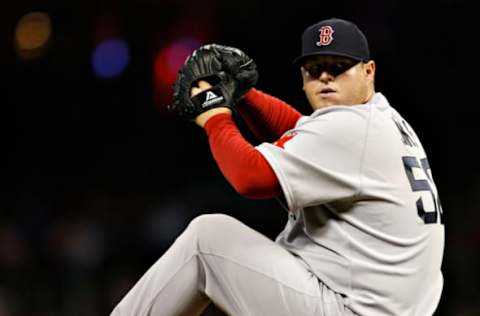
[(365, 233)]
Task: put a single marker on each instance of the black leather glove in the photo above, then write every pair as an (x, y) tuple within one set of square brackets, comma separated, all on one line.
[(205, 63), (238, 65)]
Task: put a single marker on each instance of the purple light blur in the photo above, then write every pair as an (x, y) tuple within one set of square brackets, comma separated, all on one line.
[(110, 58)]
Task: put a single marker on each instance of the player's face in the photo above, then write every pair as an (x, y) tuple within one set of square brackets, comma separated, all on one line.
[(335, 80)]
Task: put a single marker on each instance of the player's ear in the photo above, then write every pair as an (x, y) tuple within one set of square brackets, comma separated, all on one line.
[(304, 74), (370, 68)]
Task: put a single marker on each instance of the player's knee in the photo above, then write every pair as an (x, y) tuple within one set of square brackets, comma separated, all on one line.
[(207, 222), (116, 311), (207, 227)]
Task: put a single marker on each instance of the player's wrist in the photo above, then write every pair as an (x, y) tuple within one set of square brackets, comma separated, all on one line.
[(203, 118)]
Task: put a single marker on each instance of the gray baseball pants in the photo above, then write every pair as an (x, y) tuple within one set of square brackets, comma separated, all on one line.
[(219, 259)]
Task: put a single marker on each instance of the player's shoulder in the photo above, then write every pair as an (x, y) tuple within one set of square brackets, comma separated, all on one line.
[(337, 119), (347, 118)]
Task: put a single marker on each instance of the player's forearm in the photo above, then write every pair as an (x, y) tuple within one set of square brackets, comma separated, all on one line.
[(266, 116), (242, 165)]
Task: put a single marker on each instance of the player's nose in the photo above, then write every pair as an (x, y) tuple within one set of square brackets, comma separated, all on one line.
[(325, 76)]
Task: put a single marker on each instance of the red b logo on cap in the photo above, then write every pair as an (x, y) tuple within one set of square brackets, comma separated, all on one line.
[(325, 33)]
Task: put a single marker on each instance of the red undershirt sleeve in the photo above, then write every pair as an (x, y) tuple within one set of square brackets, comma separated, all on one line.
[(243, 166), (266, 116)]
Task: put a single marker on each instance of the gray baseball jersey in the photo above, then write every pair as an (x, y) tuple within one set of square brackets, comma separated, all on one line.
[(364, 212)]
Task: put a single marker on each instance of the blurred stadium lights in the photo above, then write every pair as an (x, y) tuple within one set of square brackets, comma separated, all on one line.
[(32, 35), (110, 57), (168, 61)]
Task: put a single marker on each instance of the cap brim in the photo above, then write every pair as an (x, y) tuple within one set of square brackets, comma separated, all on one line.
[(297, 61)]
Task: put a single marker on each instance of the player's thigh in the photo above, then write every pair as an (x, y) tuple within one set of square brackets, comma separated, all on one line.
[(251, 273), (225, 237)]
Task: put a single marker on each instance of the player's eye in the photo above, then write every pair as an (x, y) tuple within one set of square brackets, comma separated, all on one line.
[(336, 68), (314, 70)]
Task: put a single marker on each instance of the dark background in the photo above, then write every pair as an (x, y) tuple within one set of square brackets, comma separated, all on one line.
[(98, 179)]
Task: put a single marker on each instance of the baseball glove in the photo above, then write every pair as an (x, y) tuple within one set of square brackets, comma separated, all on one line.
[(238, 65), (203, 64), (230, 72)]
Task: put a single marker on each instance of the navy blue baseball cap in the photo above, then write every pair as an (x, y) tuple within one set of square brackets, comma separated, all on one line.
[(334, 37)]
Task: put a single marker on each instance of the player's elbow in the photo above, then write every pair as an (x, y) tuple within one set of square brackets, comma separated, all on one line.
[(259, 188)]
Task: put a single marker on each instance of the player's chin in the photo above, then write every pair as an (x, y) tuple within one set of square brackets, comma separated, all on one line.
[(323, 101)]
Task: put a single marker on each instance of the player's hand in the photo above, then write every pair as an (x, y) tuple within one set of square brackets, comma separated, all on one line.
[(205, 116), (204, 64)]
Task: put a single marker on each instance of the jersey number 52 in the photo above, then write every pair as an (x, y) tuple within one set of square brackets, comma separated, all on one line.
[(410, 163)]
